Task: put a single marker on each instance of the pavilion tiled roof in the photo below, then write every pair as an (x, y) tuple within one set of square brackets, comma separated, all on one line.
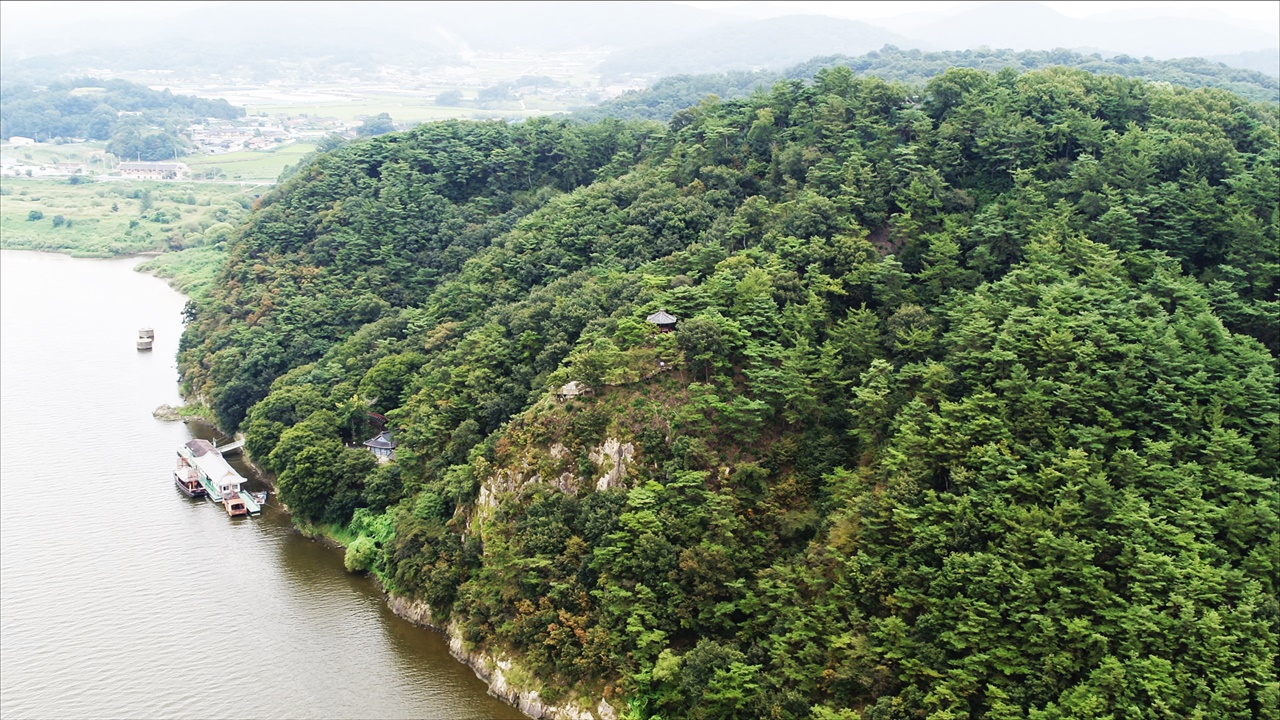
[(382, 442)]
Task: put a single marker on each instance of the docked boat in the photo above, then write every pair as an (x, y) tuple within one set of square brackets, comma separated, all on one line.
[(234, 504), (220, 481), (187, 479)]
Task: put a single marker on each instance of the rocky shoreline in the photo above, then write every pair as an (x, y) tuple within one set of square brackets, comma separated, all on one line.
[(169, 413), (494, 671)]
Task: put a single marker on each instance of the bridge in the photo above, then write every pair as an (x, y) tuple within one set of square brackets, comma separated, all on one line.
[(230, 447)]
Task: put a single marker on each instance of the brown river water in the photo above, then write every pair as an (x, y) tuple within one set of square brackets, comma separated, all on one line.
[(120, 597)]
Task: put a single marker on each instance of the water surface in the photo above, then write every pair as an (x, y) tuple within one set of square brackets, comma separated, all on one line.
[(119, 597)]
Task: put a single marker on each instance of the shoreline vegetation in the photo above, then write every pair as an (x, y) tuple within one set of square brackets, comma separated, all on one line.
[(118, 217), (187, 413), (504, 678), (187, 271)]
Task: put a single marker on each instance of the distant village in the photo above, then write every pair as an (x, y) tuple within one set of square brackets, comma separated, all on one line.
[(259, 132), (550, 84), (211, 137)]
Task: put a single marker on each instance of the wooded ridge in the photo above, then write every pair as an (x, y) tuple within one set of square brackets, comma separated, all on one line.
[(970, 408)]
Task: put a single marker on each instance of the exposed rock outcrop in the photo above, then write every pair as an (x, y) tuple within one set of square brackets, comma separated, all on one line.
[(612, 456), (169, 413), (495, 671)]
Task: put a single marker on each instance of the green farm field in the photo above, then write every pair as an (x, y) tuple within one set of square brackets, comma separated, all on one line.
[(118, 217), (91, 154), (256, 166)]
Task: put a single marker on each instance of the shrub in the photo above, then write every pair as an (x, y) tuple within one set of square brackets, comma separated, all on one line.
[(360, 555)]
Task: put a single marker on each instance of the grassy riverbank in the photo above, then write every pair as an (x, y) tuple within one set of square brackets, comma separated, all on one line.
[(183, 224), (106, 219), (189, 271)]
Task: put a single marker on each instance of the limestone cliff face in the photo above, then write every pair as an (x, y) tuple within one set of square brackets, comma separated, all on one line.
[(539, 448), (613, 457), (496, 670)]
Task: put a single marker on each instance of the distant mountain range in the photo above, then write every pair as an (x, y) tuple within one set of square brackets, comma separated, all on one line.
[(643, 39), (1032, 26), (760, 44), (671, 94), (1263, 61)]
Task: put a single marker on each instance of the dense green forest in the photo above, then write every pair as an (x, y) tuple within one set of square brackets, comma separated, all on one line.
[(92, 109), (971, 410), (671, 94)]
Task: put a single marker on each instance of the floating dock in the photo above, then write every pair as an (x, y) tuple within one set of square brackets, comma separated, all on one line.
[(221, 482)]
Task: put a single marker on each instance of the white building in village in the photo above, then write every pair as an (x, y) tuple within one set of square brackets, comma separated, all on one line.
[(154, 170)]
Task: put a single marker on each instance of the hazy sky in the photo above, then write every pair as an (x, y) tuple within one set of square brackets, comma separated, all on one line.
[(28, 23), (1255, 12), (1259, 14)]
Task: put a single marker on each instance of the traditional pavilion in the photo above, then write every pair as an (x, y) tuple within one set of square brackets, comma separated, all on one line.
[(665, 321)]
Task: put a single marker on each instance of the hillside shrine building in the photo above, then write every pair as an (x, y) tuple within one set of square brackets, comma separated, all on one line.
[(383, 446), (665, 321)]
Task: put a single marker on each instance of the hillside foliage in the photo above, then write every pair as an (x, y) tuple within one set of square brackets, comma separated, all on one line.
[(137, 122), (917, 67), (971, 410)]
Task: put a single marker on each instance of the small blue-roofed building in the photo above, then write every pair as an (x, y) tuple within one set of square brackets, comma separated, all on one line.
[(383, 446)]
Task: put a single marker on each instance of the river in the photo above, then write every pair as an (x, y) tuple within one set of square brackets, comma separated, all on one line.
[(120, 597)]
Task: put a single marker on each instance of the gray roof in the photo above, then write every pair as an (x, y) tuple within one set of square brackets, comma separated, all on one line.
[(661, 318), (199, 447), (382, 442)]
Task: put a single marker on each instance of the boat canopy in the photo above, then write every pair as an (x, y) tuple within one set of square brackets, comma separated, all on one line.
[(200, 446), (217, 469)]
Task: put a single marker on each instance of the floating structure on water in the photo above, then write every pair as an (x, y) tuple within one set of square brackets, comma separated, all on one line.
[(146, 336), (187, 479), (202, 461)]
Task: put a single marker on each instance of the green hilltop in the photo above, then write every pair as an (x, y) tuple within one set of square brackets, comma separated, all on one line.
[(916, 67), (137, 122), (971, 409)]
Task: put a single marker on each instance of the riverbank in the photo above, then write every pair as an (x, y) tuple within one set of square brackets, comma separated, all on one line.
[(506, 680), (281, 600), (117, 218), (189, 271), (186, 414)]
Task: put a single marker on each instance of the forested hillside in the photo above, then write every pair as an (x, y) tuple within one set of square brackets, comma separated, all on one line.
[(138, 121), (971, 409), (672, 94)]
